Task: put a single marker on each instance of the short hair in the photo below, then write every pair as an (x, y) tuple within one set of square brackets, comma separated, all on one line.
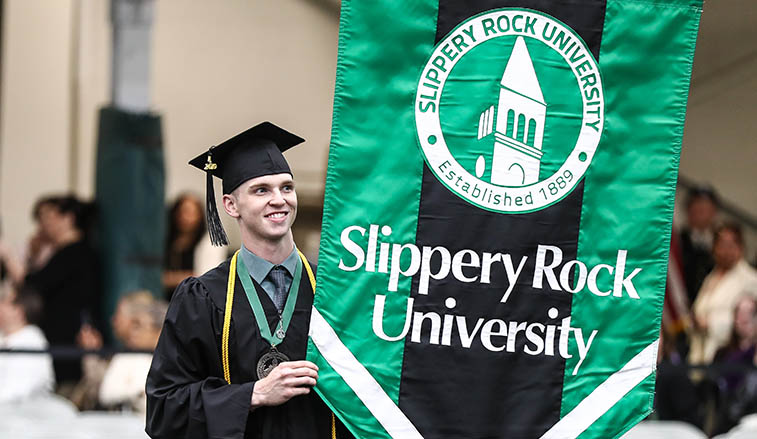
[(703, 191), (732, 227), (142, 304), (44, 201), (83, 212), (31, 304), (136, 301)]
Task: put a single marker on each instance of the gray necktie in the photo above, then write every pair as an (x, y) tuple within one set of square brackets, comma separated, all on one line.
[(278, 277)]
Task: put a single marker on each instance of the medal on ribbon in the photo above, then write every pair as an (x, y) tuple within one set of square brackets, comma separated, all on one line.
[(273, 357)]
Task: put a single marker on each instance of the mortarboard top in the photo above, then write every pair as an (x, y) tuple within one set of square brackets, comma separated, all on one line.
[(252, 153)]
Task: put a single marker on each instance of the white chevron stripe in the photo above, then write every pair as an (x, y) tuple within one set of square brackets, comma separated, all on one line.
[(606, 395), (360, 380)]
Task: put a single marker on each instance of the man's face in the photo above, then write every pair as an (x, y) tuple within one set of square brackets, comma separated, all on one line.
[(701, 213), (266, 206)]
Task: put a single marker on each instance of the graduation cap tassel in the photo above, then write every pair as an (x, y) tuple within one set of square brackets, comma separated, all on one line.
[(215, 227)]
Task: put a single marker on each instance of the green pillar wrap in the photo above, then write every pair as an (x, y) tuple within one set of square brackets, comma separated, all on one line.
[(130, 197)]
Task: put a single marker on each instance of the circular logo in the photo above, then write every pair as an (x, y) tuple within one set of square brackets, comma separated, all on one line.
[(509, 110)]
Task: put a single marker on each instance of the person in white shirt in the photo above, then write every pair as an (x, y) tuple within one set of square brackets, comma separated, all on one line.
[(124, 381), (23, 376), (136, 324), (722, 289)]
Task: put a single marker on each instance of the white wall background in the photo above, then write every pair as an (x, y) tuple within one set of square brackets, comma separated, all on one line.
[(220, 67), (217, 69)]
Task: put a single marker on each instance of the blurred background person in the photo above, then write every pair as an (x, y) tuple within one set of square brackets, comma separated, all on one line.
[(67, 277), (188, 249), (123, 385), (731, 278), (696, 238), (676, 397), (119, 382), (741, 347), (734, 362), (23, 376)]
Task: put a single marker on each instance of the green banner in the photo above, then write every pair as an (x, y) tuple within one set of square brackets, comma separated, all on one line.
[(498, 210)]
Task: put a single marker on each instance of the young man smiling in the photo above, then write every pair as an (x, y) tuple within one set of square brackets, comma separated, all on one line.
[(265, 207), (230, 360)]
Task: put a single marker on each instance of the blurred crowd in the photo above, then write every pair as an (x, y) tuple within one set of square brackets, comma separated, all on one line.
[(51, 313), (707, 373), (50, 301)]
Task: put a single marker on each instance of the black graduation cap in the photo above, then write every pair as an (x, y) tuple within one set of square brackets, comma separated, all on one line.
[(252, 153)]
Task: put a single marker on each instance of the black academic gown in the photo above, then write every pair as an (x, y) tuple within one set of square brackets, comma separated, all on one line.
[(187, 396)]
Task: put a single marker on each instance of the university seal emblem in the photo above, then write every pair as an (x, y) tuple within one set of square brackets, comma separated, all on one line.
[(488, 128)]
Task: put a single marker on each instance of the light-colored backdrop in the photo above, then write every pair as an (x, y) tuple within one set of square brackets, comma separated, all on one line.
[(220, 67)]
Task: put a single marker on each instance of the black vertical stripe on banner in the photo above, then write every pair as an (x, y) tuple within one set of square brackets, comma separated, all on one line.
[(457, 392)]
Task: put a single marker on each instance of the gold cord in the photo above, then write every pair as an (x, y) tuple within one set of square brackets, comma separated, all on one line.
[(227, 320), (308, 269)]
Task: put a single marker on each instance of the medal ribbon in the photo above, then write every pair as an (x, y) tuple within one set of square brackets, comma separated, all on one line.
[(227, 316), (257, 307)]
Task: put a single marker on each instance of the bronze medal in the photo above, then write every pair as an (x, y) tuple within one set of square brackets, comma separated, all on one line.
[(269, 361)]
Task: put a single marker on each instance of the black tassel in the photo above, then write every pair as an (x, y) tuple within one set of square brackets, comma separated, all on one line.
[(215, 227)]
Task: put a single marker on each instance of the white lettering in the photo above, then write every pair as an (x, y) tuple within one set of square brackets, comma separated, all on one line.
[(351, 247), (583, 349), (426, 273), (415, 256), (378, 319), (620, 281), (547, 270), (565, 273), (593, 280), (488, 331), (458, 263), (512, 274)]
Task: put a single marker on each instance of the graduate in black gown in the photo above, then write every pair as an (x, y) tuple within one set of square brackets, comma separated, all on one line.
[(266, 389)]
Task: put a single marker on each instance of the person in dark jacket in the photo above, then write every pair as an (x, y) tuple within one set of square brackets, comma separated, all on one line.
[(697, 237), (67, 277)]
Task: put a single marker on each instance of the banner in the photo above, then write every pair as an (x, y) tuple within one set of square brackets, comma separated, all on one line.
[(497, 217)]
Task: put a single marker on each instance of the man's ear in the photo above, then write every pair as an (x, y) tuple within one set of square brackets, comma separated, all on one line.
[(230, 205)]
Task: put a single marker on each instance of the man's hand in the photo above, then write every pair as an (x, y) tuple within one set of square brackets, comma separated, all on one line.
[(287, 380)]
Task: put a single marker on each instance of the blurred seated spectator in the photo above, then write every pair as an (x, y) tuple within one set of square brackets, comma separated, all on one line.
[(120, 381), (743, 407), (23, 376), (676, 397), (743, 343), (697, 237), (188, 248), (713, 309), (734, 361), (124, 382)]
